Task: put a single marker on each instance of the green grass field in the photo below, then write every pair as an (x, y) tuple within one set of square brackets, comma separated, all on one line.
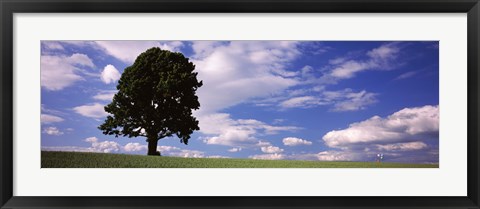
[(102, 160)]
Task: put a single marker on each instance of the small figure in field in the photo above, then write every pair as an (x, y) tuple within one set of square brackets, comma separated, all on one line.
[(379, 158)]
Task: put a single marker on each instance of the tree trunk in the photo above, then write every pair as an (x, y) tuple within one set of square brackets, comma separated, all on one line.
[(152, 147)]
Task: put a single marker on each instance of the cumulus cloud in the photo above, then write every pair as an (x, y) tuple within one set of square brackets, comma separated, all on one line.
[(352, 101), (58, 72), (240, 133), (384, 52), (217, 156), (95, 110), (47, 119), (303, 102), (406, 125), (341, 100), (411, 152), (274, 156), (167, 148), (341, 68), (271, 149), (174, 46), (349, 69), (127, 51), (66, 148), (164, 150), (250, 69), (409, 135), (105, 95), (91, 139), (110, 74), (188, 154), (177, 152), (52, 131), (135, 147), (52, 45), (338, 156), (403, 146), (105, 146), (204, 48), (294, 141), (379, 58), (235, 149), (102, 146)]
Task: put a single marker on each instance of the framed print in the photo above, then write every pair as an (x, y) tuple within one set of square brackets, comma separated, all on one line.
[(265, 104)]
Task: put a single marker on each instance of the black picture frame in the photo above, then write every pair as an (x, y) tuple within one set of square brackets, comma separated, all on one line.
[(10, 7)]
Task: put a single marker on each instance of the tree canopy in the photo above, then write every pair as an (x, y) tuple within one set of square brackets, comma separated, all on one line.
[(155, 99)]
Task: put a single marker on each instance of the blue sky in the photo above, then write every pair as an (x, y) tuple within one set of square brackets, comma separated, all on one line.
[(295, 100)]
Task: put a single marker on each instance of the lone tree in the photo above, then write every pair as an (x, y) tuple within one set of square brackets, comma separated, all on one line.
[(155, 99)]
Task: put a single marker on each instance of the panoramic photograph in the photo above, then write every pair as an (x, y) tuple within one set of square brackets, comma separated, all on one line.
[(239, 104)]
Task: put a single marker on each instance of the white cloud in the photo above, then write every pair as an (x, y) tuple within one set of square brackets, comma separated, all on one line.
[(204, 48), (249, 69), (349, 69), (217, 156), (135, 147), (52, 131), (271, 149), (233, 137), (80, 59), (342, 100), (405, 125), (303, 102), (105, 95), (97, 145), (106, 146), (91, 139), (338, 156), (47, 119), (408, 135), (263, 143), (235, 149), (80, 43), (274, 156), (95, 110), (177, 152), (353, 101), (236, 133), (173, 46), (380, 58), (167, 148), (126, 51), (58, 72), (384, 52), (344, 68), (403, 146), (102, 146), (189, 154), (66, 148), (294, 141), (406, 75), (110, 74), (338, 60), (52, 45)]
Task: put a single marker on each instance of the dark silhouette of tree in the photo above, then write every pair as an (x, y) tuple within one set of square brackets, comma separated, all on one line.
[(155, 99)]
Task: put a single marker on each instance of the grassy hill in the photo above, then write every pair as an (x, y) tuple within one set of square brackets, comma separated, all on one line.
[(102, 160)]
